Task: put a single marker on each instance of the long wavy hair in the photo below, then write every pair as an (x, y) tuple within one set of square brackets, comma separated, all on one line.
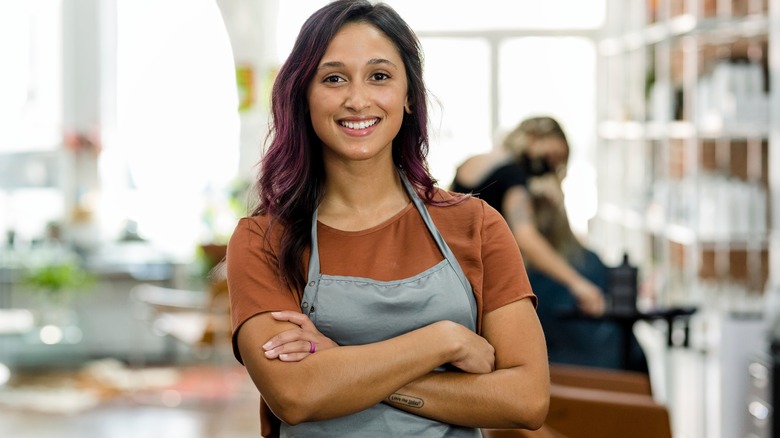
[(291, 181)]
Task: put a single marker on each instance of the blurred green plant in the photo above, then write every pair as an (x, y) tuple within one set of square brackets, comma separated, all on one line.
[(57, 279), (240, 196)]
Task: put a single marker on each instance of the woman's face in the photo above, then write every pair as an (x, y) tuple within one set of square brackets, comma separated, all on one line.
[(552, 148), (358, 94)]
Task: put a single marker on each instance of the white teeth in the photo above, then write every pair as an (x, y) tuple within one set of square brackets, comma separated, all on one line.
[(359, 125)]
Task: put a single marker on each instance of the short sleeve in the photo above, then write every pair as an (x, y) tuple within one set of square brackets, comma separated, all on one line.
[(486, 250), (254, 284), (505, 279)]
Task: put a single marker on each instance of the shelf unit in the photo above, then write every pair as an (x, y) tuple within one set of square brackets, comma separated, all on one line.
[(688, 168), (684, 134)]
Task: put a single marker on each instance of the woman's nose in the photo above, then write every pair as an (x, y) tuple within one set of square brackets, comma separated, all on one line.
[(358, 97)]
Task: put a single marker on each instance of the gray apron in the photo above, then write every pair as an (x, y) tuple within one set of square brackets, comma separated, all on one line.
[(357, 311)]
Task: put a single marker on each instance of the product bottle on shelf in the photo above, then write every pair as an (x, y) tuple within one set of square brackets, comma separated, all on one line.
[(622, 287)]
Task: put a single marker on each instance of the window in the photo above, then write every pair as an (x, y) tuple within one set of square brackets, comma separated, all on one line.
[(177, 133), (459, 102), (31, 77), (30, 116), (556, 76), (446, 15)]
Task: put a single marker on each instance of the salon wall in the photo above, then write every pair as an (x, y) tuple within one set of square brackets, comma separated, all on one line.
[(252, 30)]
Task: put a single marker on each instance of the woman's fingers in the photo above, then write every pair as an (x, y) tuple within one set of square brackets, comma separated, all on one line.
[(284, 338), (292, 357), (294, 317), (306, 329), (292, 351), (475, 354), (296, 343)]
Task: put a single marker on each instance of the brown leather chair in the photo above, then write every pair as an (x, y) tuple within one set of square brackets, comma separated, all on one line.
[(544, 432), (600, 378), (593, 402)]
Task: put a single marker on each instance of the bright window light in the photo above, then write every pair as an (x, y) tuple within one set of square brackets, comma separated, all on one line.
[(31, 76), (446, 15), (427, 16), (556, 76), (459, 103), (177, 115), (291, 16)]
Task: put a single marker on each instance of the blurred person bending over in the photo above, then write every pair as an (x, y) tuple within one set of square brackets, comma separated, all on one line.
[(531, 159), (576, 341)]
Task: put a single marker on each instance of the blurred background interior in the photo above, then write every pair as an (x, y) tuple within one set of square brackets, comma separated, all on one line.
[(130, 133)]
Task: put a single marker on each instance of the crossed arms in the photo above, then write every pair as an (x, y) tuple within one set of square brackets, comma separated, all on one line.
[(503, 382)]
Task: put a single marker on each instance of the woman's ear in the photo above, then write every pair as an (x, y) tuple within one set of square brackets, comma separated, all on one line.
[(407, 106)]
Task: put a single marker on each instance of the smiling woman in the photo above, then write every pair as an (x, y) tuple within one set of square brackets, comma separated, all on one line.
[(366, 301)]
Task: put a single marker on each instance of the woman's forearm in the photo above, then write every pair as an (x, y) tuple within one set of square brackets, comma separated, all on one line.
[(516, 395), (344, 380), (506, 398)]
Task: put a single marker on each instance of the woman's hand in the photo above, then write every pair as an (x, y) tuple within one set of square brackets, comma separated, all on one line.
[(296, 344), (473, 353), (548, 186), (589, 298)]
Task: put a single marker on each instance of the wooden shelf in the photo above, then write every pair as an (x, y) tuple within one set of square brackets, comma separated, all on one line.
[(711, 30), (681, 130)]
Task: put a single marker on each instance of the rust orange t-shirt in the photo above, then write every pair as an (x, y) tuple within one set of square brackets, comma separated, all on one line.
[(398, 248)]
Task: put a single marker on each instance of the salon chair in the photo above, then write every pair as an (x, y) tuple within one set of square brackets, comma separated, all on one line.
[(190, 317), (593, 402)]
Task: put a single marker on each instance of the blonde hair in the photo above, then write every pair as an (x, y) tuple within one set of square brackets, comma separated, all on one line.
[(552, 222), (531, 129)]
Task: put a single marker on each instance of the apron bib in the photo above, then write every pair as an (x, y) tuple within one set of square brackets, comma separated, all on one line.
[(357, 311)]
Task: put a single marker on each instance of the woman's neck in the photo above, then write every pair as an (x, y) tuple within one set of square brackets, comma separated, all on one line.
[(360, 197)]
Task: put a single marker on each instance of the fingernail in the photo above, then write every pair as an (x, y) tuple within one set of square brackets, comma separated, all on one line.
[(267, 345), (269, 353), (275, 313), (283, 356)]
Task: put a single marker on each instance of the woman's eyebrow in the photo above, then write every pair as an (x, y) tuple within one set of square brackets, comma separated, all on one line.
[(379, 61), (331, 64), (372, 61)]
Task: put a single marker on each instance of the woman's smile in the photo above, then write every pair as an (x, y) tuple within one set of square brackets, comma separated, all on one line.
[(359, 127)]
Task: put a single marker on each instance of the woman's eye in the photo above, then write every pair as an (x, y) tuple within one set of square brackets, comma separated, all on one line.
[(380, 76), (333, 79)]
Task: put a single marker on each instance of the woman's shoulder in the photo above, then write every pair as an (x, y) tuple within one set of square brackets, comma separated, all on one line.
[(448, 199), (254, 228), (258, 223), (458, 206)]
